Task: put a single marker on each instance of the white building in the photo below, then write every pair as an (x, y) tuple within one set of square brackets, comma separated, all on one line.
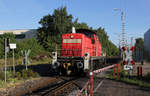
[(147, 43), (21, 34)]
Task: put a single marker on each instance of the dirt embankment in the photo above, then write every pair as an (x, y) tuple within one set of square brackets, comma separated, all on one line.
[(26, 87)]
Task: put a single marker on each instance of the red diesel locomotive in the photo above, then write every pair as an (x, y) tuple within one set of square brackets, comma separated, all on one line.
[(79, 52)]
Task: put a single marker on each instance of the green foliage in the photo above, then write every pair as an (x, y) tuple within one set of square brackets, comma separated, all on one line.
[(18, 75), (139, 42), (8, 74), (2, 75), (53, 26), (25, 44), (24, 74), (139, 47), (108, 46), (82, 25), (124, 77), (11, 36), (28, 74)]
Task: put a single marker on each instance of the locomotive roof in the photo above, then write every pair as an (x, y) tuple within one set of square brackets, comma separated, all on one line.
[(85, 31)]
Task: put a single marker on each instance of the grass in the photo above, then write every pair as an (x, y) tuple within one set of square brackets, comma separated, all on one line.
[(19, 62), (21, 76), (132, 80)]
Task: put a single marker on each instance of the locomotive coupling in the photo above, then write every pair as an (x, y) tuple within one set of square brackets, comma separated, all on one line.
[(65, 65)]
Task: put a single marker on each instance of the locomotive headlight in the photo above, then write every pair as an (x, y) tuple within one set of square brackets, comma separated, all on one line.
[(54, 55), (86, 56), (71, 36), (56, 65)]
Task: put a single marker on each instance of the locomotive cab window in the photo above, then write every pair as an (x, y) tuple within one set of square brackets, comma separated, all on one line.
[(86, 32), (93, 41)]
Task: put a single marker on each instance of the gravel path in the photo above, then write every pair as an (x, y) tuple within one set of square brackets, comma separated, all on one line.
[(115, 88)]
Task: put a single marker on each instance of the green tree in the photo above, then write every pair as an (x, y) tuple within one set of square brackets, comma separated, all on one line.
[(28, 44), (108, 46), (53, 26), (11, 36), (139, 50), (139, 43)]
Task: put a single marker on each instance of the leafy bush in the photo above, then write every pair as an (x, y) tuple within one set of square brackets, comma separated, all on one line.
[(24, 74), (28, 74), (2, 75), (22, 45), (8, 74), (18, 75)]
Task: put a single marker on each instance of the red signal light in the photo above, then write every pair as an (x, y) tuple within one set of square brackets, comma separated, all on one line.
[(124, 48), (132, 62), (132, 48), (124, 62)]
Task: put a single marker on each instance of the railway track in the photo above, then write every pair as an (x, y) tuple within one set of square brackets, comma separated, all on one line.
[(61, 87)]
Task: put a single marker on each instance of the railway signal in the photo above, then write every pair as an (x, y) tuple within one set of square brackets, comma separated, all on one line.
[(26, 55), (128, 60), (6, 44)]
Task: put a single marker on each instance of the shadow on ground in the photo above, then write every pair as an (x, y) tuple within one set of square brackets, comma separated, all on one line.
[(41, 69)]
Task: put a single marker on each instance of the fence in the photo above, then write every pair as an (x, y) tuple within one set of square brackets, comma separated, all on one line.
[(87, 90)]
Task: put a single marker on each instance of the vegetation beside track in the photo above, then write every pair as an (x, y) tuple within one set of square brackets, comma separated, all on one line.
[(21, 74), (13, 79), (34, 61), (124, 77)]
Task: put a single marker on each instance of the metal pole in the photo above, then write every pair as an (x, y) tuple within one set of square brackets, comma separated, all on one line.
[(13, 63), (123, 32), (114, 72), (5, 59), (91, 83), (26, 60), (117, 71)]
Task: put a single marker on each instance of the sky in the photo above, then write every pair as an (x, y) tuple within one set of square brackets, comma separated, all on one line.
[(25, 14)]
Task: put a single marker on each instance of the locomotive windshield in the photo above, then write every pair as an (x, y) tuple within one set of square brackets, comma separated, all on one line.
[(87, 32)]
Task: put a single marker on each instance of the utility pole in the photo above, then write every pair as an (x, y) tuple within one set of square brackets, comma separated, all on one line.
[(123, 32), (6, 41), (13, 63), (123, 43)]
